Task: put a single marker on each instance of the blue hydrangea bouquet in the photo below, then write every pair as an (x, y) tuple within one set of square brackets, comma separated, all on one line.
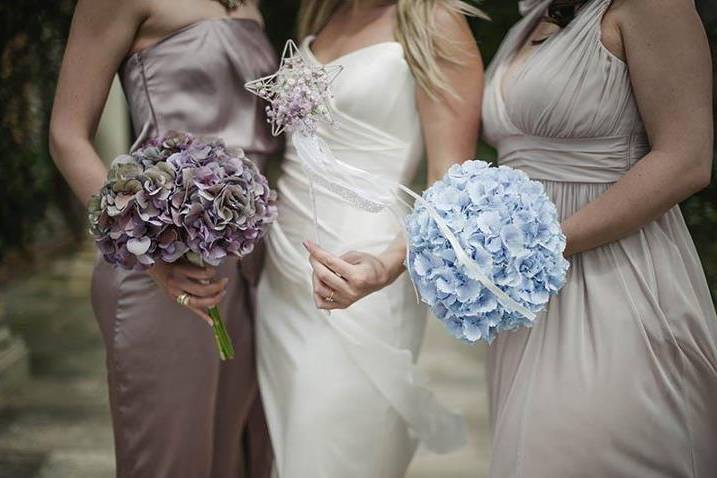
[(485, 250)]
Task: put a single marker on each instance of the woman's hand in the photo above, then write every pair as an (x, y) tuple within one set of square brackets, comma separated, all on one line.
[(341, 281), (200, 284)]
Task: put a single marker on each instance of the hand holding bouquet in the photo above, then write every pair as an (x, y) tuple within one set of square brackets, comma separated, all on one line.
[(180, 198)]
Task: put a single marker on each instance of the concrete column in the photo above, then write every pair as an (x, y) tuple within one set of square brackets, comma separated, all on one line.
[(14, 360), (113, 132)]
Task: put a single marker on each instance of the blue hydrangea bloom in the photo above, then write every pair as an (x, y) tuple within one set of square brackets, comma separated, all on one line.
[(507, 224)]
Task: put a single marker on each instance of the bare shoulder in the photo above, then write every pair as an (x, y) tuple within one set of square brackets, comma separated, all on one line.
[(452, 26), (653, 8), (642, 18), (653, 14), (100, 11), (450, 21)]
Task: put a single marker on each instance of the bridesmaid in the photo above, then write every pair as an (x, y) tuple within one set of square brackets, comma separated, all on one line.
[(176, 412), (619, 378)]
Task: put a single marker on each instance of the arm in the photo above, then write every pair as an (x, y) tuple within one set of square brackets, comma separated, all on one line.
[(450, 124), (101, 35), (668, 57)]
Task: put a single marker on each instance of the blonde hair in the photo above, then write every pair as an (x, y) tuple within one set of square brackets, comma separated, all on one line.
[(423, 44)]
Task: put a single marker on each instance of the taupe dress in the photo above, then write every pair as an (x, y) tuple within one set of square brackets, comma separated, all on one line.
[(177, 412), (619, 377)]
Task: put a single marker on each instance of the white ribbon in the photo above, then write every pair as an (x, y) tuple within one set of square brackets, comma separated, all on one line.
[(369, 192)]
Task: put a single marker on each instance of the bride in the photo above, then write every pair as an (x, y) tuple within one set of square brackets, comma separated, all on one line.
[(340, 391)]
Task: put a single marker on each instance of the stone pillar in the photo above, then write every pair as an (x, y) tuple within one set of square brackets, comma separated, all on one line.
[(113, 132), (14, 359)]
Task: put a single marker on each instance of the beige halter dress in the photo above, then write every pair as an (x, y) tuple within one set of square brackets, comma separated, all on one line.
[(619, 377)]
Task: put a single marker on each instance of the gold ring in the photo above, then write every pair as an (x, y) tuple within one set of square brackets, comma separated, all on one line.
[(331, 297), (183, 299)]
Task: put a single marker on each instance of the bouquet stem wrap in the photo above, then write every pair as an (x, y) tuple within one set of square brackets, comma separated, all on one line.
[(224, 342)]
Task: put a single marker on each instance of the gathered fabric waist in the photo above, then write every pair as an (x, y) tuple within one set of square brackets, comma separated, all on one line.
[(580, 160)]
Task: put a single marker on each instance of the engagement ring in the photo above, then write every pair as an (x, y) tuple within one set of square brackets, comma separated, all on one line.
[(183, 299)]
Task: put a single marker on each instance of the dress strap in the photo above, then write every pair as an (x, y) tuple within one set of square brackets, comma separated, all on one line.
[(586, 27), (517, 34), (591, 14), (526, 7)]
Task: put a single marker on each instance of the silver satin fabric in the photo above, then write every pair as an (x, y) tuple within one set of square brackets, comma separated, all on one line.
[(177, 412), (619, 377)]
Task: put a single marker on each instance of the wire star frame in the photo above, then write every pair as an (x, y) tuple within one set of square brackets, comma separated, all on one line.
[(298, 93)]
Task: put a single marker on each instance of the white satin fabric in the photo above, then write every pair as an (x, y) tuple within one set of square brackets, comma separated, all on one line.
[(341, 392)]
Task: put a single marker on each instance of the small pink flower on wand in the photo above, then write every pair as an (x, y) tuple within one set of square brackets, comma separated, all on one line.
[(298, 93)]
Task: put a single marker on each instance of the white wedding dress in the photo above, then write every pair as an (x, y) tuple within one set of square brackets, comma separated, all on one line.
[(341, 394)]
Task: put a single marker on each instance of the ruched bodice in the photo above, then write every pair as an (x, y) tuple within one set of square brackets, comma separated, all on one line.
[(567, 112), (359, 105), (618, 376), (374, 106), (376, 129), (193, 81)]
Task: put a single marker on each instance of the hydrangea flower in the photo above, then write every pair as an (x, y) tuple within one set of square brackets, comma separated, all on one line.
[(179, 196), (508, 226)]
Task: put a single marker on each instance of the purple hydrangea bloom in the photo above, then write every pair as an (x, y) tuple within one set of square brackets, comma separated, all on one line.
[(508, 226), (181, 197)]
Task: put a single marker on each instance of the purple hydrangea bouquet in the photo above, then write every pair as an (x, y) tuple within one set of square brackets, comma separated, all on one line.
[(485, 250), (182, 198)]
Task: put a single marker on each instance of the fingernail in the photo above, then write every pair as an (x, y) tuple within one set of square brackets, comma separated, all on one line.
[(306, 245)]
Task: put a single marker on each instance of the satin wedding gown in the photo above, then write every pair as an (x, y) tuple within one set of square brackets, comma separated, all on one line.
[(341, 393), (619, 377)]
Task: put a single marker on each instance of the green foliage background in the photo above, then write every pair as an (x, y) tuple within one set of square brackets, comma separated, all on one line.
[(33, 195)]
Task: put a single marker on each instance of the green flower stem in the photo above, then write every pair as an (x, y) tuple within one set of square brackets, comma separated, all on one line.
[(224, 342)]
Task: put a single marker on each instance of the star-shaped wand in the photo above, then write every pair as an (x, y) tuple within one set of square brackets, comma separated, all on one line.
[(298, 93)]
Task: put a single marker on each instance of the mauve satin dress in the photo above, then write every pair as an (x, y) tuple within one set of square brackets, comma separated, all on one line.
[(177, 411), (619, 377)]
